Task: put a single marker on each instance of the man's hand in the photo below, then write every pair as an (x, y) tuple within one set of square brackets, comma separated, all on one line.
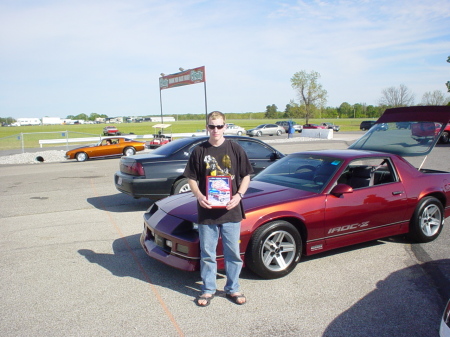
[(233, 202), (203, 201)]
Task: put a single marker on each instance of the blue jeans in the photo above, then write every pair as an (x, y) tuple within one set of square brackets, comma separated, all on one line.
[(209, 236)]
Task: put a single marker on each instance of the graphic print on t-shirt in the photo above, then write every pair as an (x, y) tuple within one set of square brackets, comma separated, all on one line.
[(215, 169)]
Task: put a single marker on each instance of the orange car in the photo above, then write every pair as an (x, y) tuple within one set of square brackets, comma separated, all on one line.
[(108, 146)]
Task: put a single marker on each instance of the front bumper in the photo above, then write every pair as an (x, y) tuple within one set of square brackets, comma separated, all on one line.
[(170, 241)]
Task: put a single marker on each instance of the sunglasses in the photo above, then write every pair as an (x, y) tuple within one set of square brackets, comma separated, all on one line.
[(219, 127)]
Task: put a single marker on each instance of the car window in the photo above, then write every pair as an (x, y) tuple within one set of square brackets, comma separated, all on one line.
[(368, 172), (255, 150)]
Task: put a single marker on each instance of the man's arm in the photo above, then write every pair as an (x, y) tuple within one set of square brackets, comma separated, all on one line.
[(236, 199)]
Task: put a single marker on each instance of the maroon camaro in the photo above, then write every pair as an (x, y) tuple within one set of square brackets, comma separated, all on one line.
[(315, 201)]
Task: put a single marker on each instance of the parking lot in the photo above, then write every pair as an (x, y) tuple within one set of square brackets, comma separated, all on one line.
[(72, 265)]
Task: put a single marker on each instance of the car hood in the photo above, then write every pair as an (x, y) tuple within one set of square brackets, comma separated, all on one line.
[(385, 136), (259, 195)]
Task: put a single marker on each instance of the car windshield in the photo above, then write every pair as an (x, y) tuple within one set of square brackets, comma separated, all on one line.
[(406, 139), (301, 171), (260, 126)]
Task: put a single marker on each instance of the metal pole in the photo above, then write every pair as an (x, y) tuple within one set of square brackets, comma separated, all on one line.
[(206, 109), (160, 103)]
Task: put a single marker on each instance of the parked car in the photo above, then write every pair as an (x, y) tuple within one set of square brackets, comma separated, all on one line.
[(366, 125), (285, 125), (266, 129), (110, 131), (445, 135), (315, 201), (328, 125), (233, 129), (444, 330), (314, 126), (160, 173), (107, 147)]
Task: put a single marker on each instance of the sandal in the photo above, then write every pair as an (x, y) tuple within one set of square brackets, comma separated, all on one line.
[(203, 297), (237, 298)]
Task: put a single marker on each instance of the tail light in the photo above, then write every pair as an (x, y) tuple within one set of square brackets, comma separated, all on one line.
[(132, 167)]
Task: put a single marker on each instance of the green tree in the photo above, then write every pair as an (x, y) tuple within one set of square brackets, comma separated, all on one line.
[(345, 110), (309, 91), (293, 110), (271, 111)]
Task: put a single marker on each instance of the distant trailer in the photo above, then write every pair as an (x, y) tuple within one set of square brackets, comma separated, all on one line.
[(28, 121)]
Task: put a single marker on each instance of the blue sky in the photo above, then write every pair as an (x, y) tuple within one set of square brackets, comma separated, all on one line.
[(60, 58)]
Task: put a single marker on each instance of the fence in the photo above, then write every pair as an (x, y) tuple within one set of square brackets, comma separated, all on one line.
[(24, 142), (29, 142)]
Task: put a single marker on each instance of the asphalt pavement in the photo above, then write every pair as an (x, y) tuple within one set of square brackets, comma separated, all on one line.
[(71, 265)]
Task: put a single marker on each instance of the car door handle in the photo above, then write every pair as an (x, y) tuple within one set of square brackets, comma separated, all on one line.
[(397, 192)]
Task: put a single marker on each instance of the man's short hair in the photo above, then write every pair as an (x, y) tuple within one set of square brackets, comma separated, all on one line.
[(216, 115)]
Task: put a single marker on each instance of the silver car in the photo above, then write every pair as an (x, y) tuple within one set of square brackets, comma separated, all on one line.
[(266, 129), (234, 130)]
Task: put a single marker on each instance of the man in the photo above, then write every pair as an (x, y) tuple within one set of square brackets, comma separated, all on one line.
[(219, 157)]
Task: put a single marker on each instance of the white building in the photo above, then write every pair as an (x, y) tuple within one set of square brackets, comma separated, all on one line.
[(51, 121), (28, 121)]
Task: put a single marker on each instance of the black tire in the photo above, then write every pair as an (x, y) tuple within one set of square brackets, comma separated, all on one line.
[(259, 134), (239, 133), (274, 250), (129, 151), (444, 138), (427, 221), (81, 156), (181, 186), (278, 133)]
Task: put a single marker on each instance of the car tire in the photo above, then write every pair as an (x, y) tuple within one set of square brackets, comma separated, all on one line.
[(427, 221), (444, 138), (129, 151), (181, 186), (239, 133), (81, 156), (259, 134), (274, 250), (278, 133)]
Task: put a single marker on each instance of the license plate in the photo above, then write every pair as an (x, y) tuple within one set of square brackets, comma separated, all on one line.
[(119, 181)]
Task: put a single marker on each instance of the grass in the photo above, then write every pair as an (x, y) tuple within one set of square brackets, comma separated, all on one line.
[(29, 136)]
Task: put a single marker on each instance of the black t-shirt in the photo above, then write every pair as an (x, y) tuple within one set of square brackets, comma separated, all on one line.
[(228, 159)]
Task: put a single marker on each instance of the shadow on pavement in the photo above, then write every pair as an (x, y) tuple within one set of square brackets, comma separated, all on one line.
[(394, 308)]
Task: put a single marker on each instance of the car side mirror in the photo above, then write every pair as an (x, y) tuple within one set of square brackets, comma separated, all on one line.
[(340, 189)]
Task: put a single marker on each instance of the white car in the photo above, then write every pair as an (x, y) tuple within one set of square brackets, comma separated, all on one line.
[(444, 330), (234, 130)]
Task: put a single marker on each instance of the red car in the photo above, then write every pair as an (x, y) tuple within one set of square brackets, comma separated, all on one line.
[(314, 126), (311, 202), (110, 131)]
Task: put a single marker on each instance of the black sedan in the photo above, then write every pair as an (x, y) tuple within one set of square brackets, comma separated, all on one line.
[(160, 173)]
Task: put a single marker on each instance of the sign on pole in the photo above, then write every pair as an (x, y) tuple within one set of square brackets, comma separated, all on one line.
[(186, 77)]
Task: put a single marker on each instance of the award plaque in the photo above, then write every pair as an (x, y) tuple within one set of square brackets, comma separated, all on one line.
[(218, 190)]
